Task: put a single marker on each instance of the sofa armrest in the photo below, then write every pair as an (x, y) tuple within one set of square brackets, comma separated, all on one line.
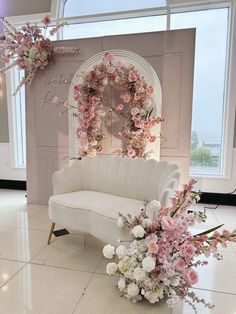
[(168, 184), (68, 179)]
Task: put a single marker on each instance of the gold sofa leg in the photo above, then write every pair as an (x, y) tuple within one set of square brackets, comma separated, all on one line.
[(51, 231)]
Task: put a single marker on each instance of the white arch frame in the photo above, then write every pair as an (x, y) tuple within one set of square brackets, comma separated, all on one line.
[(141, 65)]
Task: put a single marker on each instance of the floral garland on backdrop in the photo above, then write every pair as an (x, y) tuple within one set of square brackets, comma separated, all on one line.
[(161, 259), (29, 49), (135, 106)]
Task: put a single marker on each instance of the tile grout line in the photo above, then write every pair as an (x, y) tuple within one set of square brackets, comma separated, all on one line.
[(80, 298), (19, 270)]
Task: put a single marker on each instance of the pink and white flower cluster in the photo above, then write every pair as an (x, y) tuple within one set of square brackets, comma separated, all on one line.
[(135, 106), (29, 49), (162, 258)]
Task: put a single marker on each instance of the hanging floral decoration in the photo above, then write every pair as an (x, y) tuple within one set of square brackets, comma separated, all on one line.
[(164, 253), (29, 49), (135, 105)]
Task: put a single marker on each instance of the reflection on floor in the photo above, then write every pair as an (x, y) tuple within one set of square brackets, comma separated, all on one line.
[(66, 278)]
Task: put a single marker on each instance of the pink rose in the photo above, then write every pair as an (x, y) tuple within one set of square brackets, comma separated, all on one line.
[(168, 223), (179, 264), (188, 250), (190, 276), (19, 37), (138, 124), (137, 96), (152, 138), (131, 153), (37, 43), (126, 97), (132, 77), (46, 20), (152, 247), (108, 57), (149, 90), (119, 106)]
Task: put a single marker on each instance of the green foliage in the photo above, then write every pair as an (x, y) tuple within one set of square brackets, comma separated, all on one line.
[(202, 156), (194, 140)]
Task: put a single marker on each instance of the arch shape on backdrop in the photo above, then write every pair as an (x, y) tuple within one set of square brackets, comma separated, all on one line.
[(144, 69)]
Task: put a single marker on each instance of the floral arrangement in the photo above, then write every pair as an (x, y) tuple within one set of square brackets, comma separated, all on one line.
[(135, 106), (161, 259), (29, 49)]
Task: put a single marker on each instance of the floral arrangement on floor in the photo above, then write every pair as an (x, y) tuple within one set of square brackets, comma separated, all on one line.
[(135, 106), (162, 258), (29, 49)]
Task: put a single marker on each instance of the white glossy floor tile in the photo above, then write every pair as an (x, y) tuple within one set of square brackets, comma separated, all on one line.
[(8, 269), (103, 297), (22, 244), (224, 304), (213, 276), (69, 251), (43, 290)]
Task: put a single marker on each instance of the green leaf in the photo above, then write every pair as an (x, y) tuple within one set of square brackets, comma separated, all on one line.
[(209, 230)]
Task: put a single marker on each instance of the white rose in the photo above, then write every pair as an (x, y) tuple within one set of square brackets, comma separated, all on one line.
[(132, 289), (146, 223), (153, 208), (120, 222), (138, 231), (121, 284), (108, 251), (134, 111), (111, 268), (121, 251), (148, 264), (139, 274)]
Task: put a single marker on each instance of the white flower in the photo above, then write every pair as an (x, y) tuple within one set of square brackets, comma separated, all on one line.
[(138, 231), (111, 268), (132, 289), (146, 223), (175, 282), (148, 264), (108, 251), (121, 284), (139, 274), (154, 296), (153, 208), (120, 222), (134, 111), (121, 251), (142, 245)]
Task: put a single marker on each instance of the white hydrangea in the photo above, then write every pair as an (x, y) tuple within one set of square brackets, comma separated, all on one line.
[(132, 289), (146, 223), (120, 222), (138, 231), (148, 264), (111, 268), (121, 251), (121, 284), (109, 251), (139, 274)]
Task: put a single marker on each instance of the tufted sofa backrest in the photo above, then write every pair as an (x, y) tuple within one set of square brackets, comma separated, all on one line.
[(124, 176)]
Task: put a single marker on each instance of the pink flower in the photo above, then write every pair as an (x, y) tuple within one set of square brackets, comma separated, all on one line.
[(152, 247), (152, 138), (126, 97), (19, 37), (168, 223), (138, 124), (132, 77), (137, 96), (149, 90), (188, 250), (179, 264), (55, 100), (190, 276), (108, 57), (46, 20), (131, 153), (37, 43), (119, 106)]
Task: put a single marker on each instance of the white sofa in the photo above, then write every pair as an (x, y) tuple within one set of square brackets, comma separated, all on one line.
[(89, 193)]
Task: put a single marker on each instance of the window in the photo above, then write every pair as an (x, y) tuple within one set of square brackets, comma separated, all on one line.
[(209, 86)]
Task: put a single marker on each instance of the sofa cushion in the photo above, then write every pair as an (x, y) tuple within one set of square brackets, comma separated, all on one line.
[(103, 204)]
